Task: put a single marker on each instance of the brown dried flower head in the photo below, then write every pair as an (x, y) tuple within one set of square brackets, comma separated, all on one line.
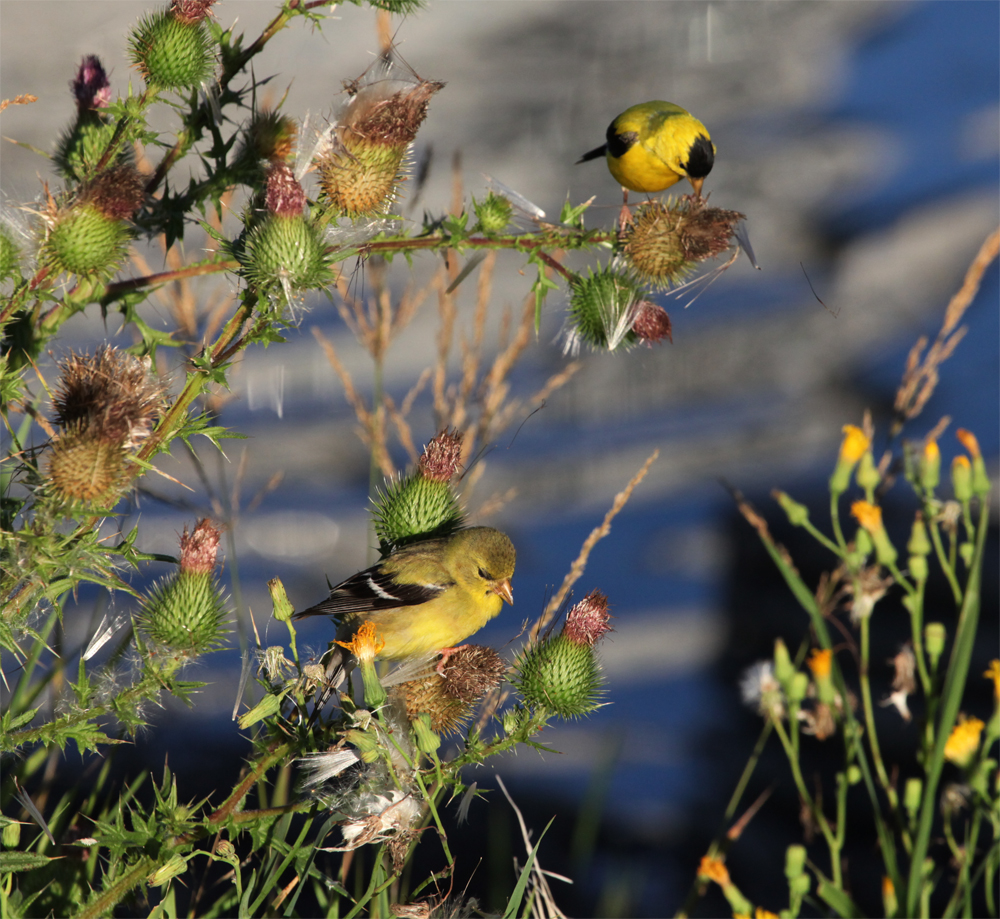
[(190, 12), (112, 394), (117, 192)]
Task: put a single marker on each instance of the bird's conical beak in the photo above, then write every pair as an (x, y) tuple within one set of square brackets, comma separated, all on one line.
[(504, 590), (696, 185)]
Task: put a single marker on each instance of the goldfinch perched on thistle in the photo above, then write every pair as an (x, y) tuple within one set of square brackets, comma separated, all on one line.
[(654, 145), (427, 596)]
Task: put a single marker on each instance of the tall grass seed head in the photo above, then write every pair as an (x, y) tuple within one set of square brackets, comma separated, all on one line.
[(173, 48), (415, 507), (361, 172)]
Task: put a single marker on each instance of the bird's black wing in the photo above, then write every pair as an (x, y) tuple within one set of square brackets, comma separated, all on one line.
[(369, 590)]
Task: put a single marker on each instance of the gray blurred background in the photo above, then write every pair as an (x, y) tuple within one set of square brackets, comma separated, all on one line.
[(860, 139)]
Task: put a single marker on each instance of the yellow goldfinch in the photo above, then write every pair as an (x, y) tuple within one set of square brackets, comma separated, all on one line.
[(427, 596), (653, 145)]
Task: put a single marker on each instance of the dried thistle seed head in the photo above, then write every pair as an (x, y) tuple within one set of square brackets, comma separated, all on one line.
[(117, 192), (172, 53), (90, 86), (665, 241), (448, 696), (111, 395), (362, 170), (84, 468), (442, 457)]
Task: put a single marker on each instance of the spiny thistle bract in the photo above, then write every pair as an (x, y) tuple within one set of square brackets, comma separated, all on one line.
[(665, 240), (602, 308), (10, 256), (87, 235), (172, 48), (493, 213), (185, 612), (414, 508), (422, 504), (561, 674), (361, 170)]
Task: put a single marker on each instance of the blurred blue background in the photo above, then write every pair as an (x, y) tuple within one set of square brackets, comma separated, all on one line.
[(861, 140)]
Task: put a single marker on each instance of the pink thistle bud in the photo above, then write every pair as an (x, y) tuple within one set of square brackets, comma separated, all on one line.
[(441, 457), (190, 12), (90, 85), (587, 622), (652, 324), (284, 195), (199, 548)]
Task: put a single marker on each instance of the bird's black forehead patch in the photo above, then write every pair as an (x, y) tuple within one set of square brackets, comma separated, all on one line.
[(701, 158), (620, 144)]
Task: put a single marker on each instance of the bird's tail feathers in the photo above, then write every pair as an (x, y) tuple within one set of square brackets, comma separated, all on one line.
[(593, 154)]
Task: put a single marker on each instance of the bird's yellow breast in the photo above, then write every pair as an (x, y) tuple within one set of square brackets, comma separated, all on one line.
[(429, 627), (650, 144)]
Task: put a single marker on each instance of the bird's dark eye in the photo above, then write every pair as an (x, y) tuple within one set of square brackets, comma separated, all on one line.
[(485, 575)]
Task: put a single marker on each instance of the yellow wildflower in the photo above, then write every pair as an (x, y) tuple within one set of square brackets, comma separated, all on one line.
[(366, 645), (968, 440), (868, 515), (819, 662), (714, 869), (854, 445), (963, 741)]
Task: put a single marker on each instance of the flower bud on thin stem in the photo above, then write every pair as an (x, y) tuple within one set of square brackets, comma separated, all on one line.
[(854, 445)]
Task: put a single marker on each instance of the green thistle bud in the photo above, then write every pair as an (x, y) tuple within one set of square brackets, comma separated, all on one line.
[(935, 636), (493, 213), (854, 774), (448, 693), (798, 514), (185, 612), (175, 866), (602, 309), (863, 543), (514, 719), (283, 608), (561, 674), (83, 146), (84, 242), (171, 51), (930, 466), (361, 172), (285, 252), (414, 508), (427, 741), (919, 568)]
